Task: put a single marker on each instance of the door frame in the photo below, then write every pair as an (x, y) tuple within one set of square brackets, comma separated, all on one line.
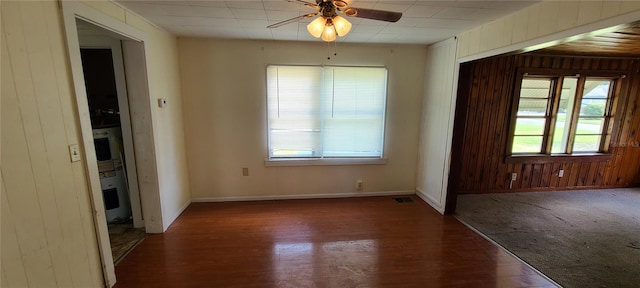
[(140, 104), (113, 44)]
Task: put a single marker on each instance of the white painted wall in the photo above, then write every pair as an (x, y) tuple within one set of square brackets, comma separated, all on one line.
[(543, 22), (438, 107), (163, 71), (223, 84), (48, 236)]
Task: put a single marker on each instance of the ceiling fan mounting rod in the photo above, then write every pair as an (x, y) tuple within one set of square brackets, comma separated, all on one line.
[(327, 8)]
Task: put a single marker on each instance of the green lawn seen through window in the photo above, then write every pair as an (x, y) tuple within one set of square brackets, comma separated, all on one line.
[(527, 144)]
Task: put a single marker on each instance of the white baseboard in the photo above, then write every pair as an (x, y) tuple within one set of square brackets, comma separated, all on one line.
[(432, 202), (301, 196), (174, 217)]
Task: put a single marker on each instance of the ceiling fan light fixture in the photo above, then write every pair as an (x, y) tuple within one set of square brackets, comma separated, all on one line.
[(316, 27), (329, 33), (340, 3), (329, 25), (351, 12), (341, 25)]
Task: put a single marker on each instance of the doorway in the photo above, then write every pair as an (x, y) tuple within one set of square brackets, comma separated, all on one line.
[(108, 106), (140, 106)]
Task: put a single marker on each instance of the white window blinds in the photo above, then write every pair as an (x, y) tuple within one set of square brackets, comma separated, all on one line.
[(326, 112)]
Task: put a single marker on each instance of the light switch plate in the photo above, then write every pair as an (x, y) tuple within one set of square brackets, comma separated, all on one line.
[(74, 152)]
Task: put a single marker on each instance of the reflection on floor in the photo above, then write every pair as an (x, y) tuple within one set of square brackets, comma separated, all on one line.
[(348, 242), (123, 238)]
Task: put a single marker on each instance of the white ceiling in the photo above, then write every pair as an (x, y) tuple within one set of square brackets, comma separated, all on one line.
[(423, 21)]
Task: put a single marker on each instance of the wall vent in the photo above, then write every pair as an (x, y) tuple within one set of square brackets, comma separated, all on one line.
[(403, 199)]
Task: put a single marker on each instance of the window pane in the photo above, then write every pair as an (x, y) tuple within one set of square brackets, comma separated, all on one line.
[(295, 143), (592, 107), (586, 143), (596, 88), (294, 102), (530, 126), (354, 112), (563, 118), (559, 143), (589, 126), (535, 107), (533, 102), (527, 144), (326, 111), (535, 88), (567, 96)]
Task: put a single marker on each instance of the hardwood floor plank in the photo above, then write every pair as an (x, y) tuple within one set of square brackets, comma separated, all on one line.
[(353, 242)]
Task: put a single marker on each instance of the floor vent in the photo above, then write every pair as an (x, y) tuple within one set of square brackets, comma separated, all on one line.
[(403, 199)]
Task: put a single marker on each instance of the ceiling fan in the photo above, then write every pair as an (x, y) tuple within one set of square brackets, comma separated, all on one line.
[(330, 23)]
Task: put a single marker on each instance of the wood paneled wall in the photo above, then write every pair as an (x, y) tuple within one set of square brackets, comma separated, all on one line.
[(478, 162), (48, 234)]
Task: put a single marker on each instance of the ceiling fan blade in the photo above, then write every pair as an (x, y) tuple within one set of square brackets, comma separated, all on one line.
[(294, 19), (308, 4), (381, 15)]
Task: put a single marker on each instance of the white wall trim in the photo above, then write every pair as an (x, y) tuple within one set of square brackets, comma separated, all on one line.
[(429, 200), (559, 37), (139, 16), (450, 124), (450, 107), (72, 10), (302, 196), (116, 28)]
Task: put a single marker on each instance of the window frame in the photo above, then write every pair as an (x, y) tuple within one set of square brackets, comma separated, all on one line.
[(551, 112), (327, 160)]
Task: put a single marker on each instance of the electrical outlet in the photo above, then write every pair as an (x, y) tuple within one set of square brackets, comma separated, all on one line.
[(359, 185), (514, 176), (561, 173), (245, 171)]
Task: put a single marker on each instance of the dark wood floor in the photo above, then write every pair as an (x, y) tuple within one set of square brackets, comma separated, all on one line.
[(352, 242)]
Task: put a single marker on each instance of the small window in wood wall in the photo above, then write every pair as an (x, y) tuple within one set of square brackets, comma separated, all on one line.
[(562, 115)]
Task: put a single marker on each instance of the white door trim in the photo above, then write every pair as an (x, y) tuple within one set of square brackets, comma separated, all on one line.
[(149, 188)]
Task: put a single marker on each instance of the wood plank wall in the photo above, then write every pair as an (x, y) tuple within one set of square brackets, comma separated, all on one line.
[(482, 168), (48, 235)]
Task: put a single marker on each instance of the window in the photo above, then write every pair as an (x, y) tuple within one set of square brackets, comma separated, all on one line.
[(326, 112), (562, 115)]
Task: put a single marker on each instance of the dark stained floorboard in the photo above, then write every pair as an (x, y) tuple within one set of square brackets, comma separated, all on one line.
[(351, 242)]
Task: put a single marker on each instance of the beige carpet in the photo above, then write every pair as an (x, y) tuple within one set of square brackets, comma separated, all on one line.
[(577, 238), (123, 238)]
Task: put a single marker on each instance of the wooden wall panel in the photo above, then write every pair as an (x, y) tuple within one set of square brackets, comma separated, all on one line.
[(483, 148), (48, 237)]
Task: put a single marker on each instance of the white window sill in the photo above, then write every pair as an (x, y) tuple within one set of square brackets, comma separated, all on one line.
[(323, 162)]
